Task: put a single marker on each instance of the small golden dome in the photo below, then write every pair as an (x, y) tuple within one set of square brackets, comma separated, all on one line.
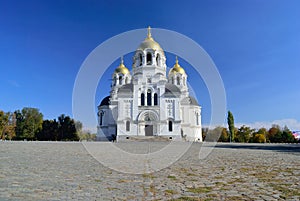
[(149, 43), (122, 68), (177, 68)]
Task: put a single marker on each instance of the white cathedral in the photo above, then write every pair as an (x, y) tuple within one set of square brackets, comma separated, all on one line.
[(147, 102)]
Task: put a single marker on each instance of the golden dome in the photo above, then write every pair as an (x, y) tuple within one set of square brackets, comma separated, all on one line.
[(122, 68), (149, 43), (177, 68)]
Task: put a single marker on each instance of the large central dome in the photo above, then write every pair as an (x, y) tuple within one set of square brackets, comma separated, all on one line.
[(149, 43)]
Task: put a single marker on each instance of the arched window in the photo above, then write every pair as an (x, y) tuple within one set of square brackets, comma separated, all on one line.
[(149, 59), (197, 119), (127, 126), (141, 59), (158, 59), (178, 80), (149, 102), (172, 80), (101, 118), (120, 80), (170, 126), (155, 99), (142, 99), (126, 80), (115, 81)]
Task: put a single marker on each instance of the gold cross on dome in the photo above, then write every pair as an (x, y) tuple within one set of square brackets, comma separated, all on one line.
[(149, 32)]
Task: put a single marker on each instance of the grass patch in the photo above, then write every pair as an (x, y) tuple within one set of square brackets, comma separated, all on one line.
[(186, 198), (111, 188), (149, 176), (206, 189), (123, 181), (286, 190), (191, 174), (234, 198), (171, 177), (170, 192)]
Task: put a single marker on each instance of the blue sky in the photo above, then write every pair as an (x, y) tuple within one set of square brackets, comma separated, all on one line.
[(255, 45)]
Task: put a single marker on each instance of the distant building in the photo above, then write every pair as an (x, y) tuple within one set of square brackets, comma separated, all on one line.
[(296, 135), (147, 102)]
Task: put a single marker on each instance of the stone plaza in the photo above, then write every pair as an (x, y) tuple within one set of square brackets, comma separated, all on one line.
[(66, 171)]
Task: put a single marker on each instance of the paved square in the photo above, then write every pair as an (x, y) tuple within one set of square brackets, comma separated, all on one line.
[(65, 171)]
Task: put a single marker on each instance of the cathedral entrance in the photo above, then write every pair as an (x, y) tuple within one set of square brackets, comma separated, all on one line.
[(148, 123), (148, 130)]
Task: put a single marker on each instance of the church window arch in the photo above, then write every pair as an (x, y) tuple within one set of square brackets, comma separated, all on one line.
[(178, 80), (155, 99), (158, 59), (120, 80), (101, 118), (141, 59), (149, 97), (170, 126), (197, 119), (115, 81), (149, 58), (127, 126), (126, 80), (142, 99), (172, 80)]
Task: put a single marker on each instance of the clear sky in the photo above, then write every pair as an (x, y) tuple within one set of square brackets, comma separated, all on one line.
[(255, 45)]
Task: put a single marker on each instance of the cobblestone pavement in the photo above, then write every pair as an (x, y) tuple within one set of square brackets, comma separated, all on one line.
[(65, 171)]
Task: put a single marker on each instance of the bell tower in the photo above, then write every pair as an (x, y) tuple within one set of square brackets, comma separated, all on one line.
[(149, 61)]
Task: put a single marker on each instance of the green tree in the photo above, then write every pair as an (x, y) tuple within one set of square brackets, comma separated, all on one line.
[(66, 128), (230, 121), (287, 135), (28, 123), (224, 135), (244, 134), (49, 131), (274, 134)]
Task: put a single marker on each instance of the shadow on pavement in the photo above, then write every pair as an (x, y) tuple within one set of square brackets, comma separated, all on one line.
[(292, 148)]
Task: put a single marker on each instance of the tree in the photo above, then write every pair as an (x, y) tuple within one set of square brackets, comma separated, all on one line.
[(204, 133), (219, 134), (274, 134), (49, 130), (28, 123), (224, 135), (230, 121), (66, 128), (244, 134), (287, 135), (259, 136), (7, 125)]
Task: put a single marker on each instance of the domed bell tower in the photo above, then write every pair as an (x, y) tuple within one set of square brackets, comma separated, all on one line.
[(178, 77), (149, 61), (120, 77)]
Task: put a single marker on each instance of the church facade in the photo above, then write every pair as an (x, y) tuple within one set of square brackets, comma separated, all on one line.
[(149, 101)]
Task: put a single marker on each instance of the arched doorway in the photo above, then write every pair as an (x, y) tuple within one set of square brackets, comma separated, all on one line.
[(148, 123)]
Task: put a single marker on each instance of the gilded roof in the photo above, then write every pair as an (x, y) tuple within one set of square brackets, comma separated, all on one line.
[(122, 68), (177, 68), (149, 43)]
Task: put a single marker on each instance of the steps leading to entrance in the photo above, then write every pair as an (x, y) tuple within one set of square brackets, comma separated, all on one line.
[(148, 138)]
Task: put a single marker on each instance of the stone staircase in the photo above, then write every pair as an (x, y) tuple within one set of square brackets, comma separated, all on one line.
[(147, 139)]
